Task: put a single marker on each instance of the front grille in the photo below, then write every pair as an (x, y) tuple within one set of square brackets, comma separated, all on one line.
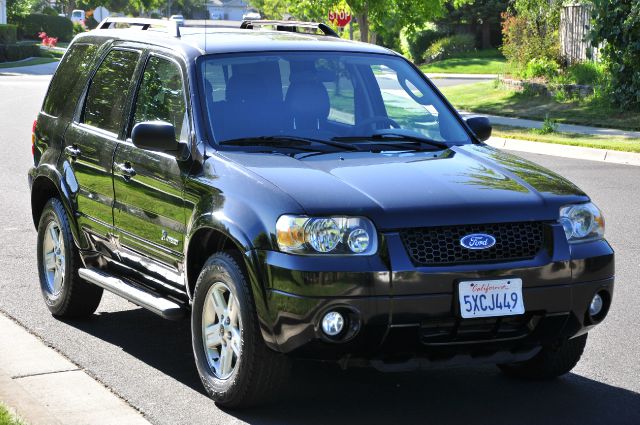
[(432, 246)]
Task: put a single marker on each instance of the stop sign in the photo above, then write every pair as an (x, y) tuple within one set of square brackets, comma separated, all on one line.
[(340, 17)]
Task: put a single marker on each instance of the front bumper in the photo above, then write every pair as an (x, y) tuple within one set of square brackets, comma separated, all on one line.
[(405, 311)]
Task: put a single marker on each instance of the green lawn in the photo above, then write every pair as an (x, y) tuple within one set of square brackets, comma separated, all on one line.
[(6, 418), (29, 62), (488, 61), (489, 98), (601, 142)]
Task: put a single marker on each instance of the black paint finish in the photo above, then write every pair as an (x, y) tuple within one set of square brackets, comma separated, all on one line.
[(154, 218)]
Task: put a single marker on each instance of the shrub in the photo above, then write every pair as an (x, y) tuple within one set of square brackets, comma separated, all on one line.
[(587, 73), (55, 26), (8, 34), (548, 126), (541, 68), (414, 44), (16, 52), (448, 46), (77, 28), (616, 24), (524, 41), (48, 41)]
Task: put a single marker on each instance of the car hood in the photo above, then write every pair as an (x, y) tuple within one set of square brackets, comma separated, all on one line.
[(464, 184)]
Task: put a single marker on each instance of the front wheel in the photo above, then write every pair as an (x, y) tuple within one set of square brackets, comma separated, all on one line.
[(236, 367), (552, 361)]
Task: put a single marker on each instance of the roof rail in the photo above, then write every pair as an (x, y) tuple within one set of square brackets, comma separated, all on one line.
[(289, 26), (172, 27)]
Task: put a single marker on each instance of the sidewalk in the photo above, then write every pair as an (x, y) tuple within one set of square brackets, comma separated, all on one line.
[(45, 388), (43, 69), (566, 151), (564, 128), (437, 75)]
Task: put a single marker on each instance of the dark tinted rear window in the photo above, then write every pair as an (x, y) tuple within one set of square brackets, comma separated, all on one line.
[(71, 75), (109, 91)]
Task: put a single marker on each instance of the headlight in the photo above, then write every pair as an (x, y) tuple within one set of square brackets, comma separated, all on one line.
[(326, 235), (582, 222)]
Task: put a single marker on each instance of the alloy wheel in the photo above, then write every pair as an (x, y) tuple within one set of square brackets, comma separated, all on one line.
[(221, 330), (53, 252)]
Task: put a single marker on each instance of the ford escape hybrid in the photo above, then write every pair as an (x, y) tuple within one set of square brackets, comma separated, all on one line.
[(296, 194)]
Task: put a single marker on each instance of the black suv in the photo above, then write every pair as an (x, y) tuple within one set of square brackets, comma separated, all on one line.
[(296, 194)]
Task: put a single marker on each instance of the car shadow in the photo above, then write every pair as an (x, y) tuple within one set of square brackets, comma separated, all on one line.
[(319, 393)]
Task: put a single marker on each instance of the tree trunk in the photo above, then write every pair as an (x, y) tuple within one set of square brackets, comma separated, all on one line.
[(486, 35), (363, 23)]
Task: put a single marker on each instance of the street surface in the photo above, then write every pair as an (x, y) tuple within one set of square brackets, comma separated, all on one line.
[(148, 361)]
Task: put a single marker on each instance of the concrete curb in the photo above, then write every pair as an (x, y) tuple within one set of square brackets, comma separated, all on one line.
[(562, 128), (566, 151), (43, 387)]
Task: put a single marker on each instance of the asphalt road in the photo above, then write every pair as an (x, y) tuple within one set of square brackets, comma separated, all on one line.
[(148, 361)]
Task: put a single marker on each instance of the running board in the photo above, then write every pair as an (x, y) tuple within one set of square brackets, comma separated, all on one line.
[(145, 299)]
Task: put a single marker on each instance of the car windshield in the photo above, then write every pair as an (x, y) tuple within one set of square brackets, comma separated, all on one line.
[(322, 96)]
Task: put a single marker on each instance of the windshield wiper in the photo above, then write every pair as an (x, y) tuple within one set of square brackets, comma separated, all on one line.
[(394, 138), (285, 142)]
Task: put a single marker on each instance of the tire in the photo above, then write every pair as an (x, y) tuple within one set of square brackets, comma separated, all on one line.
[(64, 292), (258, 372), (551, 362)]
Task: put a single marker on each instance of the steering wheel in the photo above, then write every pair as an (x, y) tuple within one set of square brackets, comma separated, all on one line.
[(378, 119)]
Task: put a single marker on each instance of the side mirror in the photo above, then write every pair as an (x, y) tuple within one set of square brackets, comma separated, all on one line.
[(480, 126), (157, 136)]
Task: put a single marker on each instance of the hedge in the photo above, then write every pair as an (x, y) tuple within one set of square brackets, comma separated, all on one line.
[(54, 26), (8, 34), (16, 52)]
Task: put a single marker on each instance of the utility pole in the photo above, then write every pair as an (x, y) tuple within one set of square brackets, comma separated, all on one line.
[(3, 11)]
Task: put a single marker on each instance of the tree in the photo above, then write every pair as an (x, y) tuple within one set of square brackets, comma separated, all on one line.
[(372, 16), (17, 9), (616, 25), (485, 13)]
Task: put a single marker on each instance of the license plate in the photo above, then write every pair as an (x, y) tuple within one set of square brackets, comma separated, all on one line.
[(490, 298)]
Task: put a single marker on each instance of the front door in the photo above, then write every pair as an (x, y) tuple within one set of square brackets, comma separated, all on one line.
[(91, 140), (149, 211)]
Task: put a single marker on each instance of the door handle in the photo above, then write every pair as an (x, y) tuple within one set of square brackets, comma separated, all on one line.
[(126, 170), (73, 151)]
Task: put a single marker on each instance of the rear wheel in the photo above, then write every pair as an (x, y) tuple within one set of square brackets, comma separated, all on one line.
[(552, 361), (64, 292), (236, 367)]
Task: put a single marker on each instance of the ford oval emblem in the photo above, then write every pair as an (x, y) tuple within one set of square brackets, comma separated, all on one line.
[(478, 241)]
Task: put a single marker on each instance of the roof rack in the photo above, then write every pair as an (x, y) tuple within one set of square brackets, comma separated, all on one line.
[(172, 27), (290, 26)]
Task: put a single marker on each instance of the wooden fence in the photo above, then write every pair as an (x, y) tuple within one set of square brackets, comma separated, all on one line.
[(575, 24)]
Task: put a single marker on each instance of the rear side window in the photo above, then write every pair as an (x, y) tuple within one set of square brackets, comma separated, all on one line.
[(161, 95), (109, 91), (69, 79)]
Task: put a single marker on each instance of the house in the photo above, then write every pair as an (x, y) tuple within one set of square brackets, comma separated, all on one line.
[(231, 10)]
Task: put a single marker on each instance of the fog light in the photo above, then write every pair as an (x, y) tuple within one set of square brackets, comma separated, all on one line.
[(332, 323), (596, 305)]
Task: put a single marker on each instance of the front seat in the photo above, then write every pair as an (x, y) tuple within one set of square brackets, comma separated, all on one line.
[(307, 103)]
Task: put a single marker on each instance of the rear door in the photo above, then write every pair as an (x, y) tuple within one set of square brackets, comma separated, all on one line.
[(149, 210), (91, 140)]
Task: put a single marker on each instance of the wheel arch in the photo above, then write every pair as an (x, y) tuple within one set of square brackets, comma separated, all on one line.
[(208, 239), (47, 185)]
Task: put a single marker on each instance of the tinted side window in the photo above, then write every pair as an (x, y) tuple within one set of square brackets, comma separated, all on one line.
[(161, 95), (69, 79), (109, 91)]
